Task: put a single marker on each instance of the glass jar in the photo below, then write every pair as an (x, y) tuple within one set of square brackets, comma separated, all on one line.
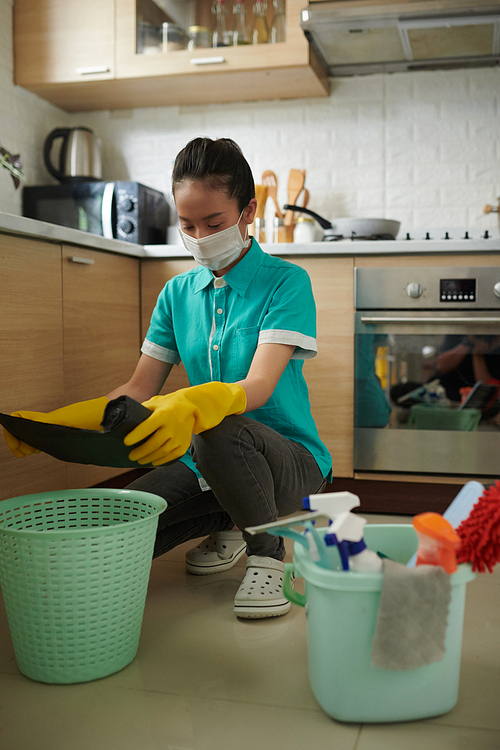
[(199, 37), (279, 231), (260, 229), (174, 37), (305, 230), (149, 38)]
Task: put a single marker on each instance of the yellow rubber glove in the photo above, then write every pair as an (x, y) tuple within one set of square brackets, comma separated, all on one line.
[(86, 415), (18, 448), (179, 415)]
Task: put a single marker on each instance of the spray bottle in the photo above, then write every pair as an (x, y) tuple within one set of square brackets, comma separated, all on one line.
[(346, 531), (331, 503), (437, 541)]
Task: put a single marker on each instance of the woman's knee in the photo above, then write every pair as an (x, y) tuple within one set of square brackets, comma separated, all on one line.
[(215, 443)]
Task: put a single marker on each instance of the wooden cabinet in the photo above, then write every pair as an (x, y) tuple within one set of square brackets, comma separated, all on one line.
[(330, 375), (31, 362), (55, 64), (101, 333), (70, 331), (61, 41)]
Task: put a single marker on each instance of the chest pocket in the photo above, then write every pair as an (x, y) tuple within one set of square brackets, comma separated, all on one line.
[(243, 348)]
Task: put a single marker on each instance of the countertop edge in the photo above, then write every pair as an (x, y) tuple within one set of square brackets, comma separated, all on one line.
[(40, 230)]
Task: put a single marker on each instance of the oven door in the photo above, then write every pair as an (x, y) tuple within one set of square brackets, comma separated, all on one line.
[(395, 429)]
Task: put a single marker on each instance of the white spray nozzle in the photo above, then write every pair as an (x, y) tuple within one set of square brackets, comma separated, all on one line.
[(332, 503), (347, 526)]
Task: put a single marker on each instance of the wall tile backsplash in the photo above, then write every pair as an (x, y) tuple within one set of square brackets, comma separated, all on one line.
[(421, 147)]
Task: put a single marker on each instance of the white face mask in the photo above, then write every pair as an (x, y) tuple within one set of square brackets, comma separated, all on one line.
[(217, 250)]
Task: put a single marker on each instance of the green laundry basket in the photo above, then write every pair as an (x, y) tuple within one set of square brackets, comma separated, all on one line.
[(74, 571)]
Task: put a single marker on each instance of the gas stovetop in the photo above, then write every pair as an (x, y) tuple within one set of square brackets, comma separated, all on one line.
[(424, 240)]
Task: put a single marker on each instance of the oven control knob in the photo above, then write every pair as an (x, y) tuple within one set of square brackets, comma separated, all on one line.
[(413, 289), (496, 289)]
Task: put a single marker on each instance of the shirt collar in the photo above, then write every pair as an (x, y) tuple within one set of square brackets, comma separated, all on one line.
[(239, 277)]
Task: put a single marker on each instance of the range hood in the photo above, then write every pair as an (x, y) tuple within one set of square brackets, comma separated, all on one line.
[(356, 37)]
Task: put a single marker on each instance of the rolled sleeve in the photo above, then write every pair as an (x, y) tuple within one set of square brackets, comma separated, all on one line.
[(291, 316), (160, 352), (160, 341), (305, 346)]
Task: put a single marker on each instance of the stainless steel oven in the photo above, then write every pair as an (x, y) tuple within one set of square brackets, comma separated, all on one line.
[(424, 337)]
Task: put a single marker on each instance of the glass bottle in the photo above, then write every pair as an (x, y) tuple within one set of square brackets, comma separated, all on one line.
[(220, 35), (278, 24), (260, 31), (240, 30), (279, 230)]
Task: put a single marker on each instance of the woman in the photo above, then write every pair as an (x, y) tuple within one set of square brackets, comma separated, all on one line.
[(242, 324)]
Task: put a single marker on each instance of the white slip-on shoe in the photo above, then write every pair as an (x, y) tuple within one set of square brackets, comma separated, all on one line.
[(218, 552), (261, 591)]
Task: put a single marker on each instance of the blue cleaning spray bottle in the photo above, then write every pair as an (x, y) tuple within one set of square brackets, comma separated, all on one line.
[(346, 531), (309, 538), (331, 503)]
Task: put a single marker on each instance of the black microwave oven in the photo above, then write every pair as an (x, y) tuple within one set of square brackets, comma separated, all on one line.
[(119, 210)]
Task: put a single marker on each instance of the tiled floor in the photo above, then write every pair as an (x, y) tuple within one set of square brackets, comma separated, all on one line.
[(203, 680)]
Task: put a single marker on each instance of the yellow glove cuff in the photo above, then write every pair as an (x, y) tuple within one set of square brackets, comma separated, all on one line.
[(86, 415)]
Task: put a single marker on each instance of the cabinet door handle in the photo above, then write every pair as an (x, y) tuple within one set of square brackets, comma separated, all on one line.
[(83, 261), (207, 60), (92, 70)]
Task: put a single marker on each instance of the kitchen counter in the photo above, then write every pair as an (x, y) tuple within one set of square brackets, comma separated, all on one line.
[(20, 225), (42, 230), (350, 248)]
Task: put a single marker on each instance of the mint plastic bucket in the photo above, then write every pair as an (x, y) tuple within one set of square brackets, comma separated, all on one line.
[(341, 615), (74, 571)]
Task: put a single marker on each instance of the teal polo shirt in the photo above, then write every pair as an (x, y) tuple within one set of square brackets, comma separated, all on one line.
[(214, 325)]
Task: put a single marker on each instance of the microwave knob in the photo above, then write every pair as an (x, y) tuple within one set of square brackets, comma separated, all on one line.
[(413, 289), (126, 227), (496, 289), (127, 205)]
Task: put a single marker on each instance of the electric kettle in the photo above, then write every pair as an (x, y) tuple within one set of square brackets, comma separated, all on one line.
[(79, 155)]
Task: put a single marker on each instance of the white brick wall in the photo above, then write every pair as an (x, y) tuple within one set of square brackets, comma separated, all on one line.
[(420, 147)]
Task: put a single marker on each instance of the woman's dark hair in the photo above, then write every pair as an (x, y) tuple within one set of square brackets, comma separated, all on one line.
[(219, 163)]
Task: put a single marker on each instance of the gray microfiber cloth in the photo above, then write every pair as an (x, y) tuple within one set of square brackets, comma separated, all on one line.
[(412, 616)]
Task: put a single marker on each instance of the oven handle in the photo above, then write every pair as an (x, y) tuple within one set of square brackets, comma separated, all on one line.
[(372, 319)]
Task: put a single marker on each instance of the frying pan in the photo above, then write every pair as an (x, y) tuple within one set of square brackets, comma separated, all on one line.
[(385, 229)]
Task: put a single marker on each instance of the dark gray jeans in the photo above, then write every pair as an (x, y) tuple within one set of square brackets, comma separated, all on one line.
[(255, 475)]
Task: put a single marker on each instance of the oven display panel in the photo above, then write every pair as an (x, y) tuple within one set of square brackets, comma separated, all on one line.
[(457, 290)]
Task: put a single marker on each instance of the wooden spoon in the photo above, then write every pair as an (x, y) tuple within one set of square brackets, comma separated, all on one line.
[(296, 181), (305, 201), (270, 181), (261, 193)]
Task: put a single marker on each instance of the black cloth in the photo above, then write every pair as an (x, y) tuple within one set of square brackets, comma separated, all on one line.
[(79, 446)]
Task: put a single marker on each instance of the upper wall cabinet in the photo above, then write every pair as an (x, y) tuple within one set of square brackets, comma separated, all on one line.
[(124, 54), (61, 41)]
